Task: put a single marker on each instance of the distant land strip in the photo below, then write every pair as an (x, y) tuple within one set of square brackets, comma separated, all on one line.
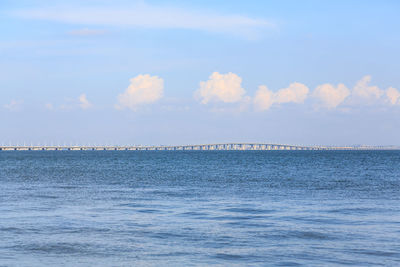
[(201, 147)]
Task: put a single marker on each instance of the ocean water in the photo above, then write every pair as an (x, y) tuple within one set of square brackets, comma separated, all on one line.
[(200, 208)]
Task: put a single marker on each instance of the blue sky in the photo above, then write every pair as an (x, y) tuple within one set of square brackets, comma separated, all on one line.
[(179, 72)]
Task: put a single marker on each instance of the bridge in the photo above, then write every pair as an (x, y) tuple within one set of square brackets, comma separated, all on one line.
[(201, 147)]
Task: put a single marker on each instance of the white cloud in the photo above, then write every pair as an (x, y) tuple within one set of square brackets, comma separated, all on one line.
[(331, 96), (221, 87), (14, 105), (86, 32), (149, 16), (296, 93), (265, 98), (144, 89), (363, 90), (83, 102), (360, 95), (71, 104), (393, 95)]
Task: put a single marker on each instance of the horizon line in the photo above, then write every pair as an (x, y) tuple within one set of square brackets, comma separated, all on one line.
[(198, 147)]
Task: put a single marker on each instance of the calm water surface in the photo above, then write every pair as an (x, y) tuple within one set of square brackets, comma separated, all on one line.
[(182, 208)]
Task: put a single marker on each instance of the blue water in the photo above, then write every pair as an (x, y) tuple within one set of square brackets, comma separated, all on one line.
[(193, 208)]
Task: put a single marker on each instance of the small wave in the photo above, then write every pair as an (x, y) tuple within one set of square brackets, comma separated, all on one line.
[(376, 253), (132, 205), (236, 217), (250, 225), (288, 263), (248, 210), (164, 235), (11, 229), (44, 196), (311, 235), (56, 248), (226, 256), (356, 210), (67, 187), (173, 254), (194, 214), (149, 211)]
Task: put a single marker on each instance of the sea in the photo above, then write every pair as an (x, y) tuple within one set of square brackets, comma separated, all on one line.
[(199, 208)]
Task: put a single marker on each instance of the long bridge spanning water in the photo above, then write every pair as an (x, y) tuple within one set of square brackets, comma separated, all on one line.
[(201, 147)]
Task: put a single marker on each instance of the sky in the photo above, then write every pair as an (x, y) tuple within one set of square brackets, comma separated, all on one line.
[(193, 72)]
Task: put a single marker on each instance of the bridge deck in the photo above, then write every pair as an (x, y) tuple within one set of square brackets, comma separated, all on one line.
[(201, 147)]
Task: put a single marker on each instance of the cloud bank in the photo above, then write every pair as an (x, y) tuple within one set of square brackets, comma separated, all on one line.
[(227, 88), (143, 89), (142, 15)]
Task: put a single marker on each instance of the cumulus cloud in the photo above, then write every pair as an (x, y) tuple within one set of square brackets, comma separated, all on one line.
[(70, 104), (143, 89), (364, 91), (296, 93), (142, 15), (83, 102), (331, 96), (221, 87), (265, 98), (393, 95), (360, 95)]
